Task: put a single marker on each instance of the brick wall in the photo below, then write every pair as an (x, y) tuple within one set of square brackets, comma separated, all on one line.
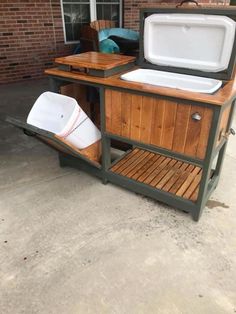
[(31, 36), (131, 9)]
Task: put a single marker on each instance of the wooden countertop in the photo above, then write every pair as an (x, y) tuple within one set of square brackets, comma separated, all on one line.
[(225, 94), (95, 60)]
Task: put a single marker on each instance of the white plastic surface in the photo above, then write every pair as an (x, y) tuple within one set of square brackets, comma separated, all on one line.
[(173, 80), (63, 116), (194, 41)]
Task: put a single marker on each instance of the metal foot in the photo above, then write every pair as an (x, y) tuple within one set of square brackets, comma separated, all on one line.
[(62, 162), (104, 181), (196, 214)]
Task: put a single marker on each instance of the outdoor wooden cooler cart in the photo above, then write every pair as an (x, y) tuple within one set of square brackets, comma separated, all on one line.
[(179, 133)]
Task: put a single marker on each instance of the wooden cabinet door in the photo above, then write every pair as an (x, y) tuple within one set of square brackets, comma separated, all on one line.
[(159, 122)]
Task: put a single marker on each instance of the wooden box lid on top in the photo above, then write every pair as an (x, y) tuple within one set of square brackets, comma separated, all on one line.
[(96, 63)]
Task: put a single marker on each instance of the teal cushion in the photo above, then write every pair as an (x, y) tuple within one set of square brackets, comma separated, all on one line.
[(119, 32), (108, 46)]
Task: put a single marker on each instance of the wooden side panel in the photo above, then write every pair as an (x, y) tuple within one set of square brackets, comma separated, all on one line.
[(204, 134), (126, 101), (181, 126), (79, 92), (168, 125), (223, 123), (159, 122), (193, 132), (116, 112), (146, 118), (136, 117), (108, 110)]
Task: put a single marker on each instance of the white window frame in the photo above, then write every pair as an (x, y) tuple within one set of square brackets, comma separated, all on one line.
[(93, 16)]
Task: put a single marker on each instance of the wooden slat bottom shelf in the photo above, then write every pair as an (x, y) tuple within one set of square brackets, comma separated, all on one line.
[(161, 172)]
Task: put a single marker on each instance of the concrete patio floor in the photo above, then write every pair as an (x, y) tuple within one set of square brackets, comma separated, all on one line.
[(69, 244)]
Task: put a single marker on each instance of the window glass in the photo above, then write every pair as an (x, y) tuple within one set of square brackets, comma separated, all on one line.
[(77, 13), (108, 10)]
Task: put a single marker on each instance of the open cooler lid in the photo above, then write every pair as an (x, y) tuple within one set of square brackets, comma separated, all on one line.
[(189, 42), (193, 41)]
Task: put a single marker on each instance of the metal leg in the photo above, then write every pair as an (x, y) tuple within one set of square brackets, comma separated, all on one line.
[(204, 184), (62, 161), (55, 84)]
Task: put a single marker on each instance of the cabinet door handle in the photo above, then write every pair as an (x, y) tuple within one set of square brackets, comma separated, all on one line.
[(196, 116)]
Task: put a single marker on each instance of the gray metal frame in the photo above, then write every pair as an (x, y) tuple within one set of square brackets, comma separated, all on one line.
[(208, 181)]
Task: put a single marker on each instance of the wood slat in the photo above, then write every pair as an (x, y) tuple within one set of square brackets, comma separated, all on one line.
[(168, 175), (194, 196), (223, 123), (181, 126), (181, 179), (161, 123), (165, 162), (146, 118), (148, 171), (204, 134), (175, 177), (126, 102), (116, 112), (193, 185), (135, 163), (139, 166), (163, 173), (136, 117), (168, 125), (125, 159), (188, 181), (142, 171), (193, 132), (157, 121), (130, 161), (108, 110)]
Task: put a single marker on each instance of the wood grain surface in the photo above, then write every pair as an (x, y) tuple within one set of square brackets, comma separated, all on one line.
[(224, 95), (158, 122), (165, 173), (95, 60)]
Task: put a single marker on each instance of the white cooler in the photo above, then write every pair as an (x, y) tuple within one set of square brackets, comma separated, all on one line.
[(196, 42)]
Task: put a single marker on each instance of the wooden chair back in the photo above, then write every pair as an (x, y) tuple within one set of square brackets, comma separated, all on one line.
[(89, 39), (101, 24)]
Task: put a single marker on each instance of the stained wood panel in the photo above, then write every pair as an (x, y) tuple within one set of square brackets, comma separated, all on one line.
[(174, 176), (205, 129), (79, 92), (221, 97), (146, 117), (95, 60), (168, 125), (181, 126), (193, 131), (223, 123), (126, 102), (116, 111), (108, 122), (158, 122)]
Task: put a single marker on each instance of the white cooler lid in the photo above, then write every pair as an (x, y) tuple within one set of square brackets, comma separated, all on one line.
[(194, 41)]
